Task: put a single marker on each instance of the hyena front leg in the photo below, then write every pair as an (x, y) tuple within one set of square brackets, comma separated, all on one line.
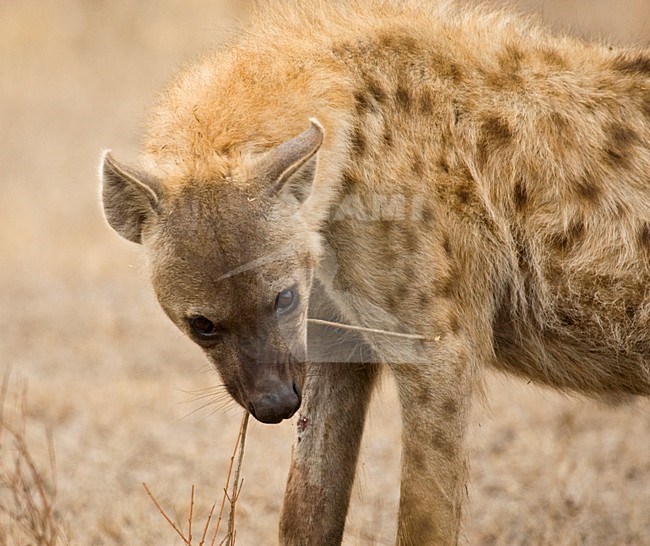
[(435, 400), (330, 426)]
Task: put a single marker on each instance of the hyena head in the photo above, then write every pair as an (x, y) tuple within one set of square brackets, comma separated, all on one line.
[(232, 263)]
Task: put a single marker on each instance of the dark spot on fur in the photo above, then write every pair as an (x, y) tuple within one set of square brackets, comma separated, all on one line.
[(403, 290), (391, 256), (424, 300), (523, 256), (388, 136), (520, 195), (343, 49), (588, 190), (362, 103), (423, 394), (443, 444), (644, 237), (508, 73), (425, 102), (392, 302), (621, 135), (494, 80), (386, 227), (446, 287), (462, 363), (418, 458), (444, 66), (444, 166), (454, 323), (494, 137), (453, 72), (375, 90), (349, 182), (619, 145), (554, 59), (340, 282), (411, 239), (566, 318), (446, 245), (565, 241), (427, 215), (403, 98), (358, 142), (633, 64), (417, 165), (396, 297), (307, 260), (398, 43), (631, 310), (559, 123), (464, 192), (450, 407), (496, 130), (576, 230), (510, 58), (387, 241)]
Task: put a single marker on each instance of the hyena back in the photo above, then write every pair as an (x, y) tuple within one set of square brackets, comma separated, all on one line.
[(466, 177)]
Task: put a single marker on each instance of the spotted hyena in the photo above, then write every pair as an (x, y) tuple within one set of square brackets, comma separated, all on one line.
[(466, 178)]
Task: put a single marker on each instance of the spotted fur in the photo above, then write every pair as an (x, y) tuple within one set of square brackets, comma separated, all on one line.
[(520, 239)]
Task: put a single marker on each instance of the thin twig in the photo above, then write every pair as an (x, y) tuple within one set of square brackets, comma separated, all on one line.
[(207, 524), (189, 523), (225, 489), (370, 330), (165, 515), (236, 487)]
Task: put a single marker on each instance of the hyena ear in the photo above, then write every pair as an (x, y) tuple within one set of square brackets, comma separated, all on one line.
[(130, 198), (290, 168)]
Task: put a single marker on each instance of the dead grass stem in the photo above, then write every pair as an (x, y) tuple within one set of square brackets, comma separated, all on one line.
[(27, 493)]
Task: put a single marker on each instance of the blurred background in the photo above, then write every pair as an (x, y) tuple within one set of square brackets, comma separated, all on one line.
[(121, 389)]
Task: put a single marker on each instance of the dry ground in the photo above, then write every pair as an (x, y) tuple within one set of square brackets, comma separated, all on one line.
[(109, 374)]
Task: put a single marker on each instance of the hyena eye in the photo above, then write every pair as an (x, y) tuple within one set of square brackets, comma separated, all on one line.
[(204, 328), (286, 300)]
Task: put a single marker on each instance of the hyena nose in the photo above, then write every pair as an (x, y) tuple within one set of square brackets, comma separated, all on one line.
[(276, 405)]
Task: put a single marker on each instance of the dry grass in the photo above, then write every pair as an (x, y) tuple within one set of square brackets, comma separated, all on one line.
[(27, 486), (109, 374), (230, 536)]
